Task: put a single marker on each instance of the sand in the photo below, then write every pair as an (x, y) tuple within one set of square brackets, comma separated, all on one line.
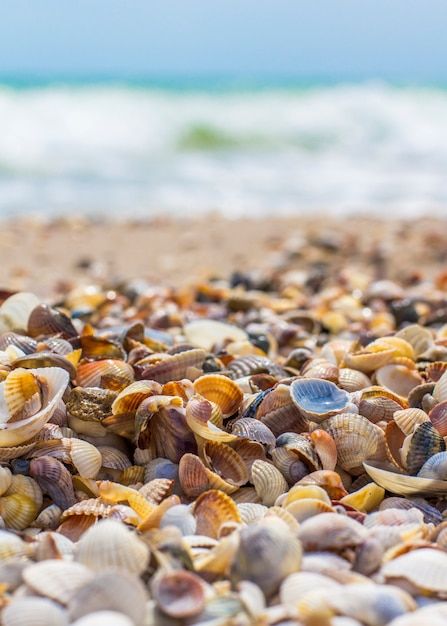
[(49, 257)]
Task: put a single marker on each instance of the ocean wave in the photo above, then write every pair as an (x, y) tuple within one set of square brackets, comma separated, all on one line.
[(107, 148)]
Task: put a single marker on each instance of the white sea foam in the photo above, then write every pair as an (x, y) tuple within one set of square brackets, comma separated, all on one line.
[(112, 150)]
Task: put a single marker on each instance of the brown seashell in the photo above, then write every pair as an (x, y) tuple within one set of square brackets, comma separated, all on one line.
[(278, 412), (369, 359), (417, 395), (434, 370), (377, 404), (320, 368), (225, 462), (164, 368), (255, 430), (249, 452), (97, 348), (45, 320), (211, 510), (132, 396), (54, 479), (108, 373), (302, 447), (180, 594), (289, 464), (394, 439), (425, 442), (220, 390), (438, 417), (198, 418)]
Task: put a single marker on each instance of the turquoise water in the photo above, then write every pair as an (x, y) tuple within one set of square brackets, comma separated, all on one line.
[(106, 145)]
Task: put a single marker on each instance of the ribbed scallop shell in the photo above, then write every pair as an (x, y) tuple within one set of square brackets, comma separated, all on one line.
[(356, 439), (255, 430), (170, 367), (377, 404), (107, 373), (418, 337), (57, 579), (353, 380), (249, 451), (435, 370), (332, 532), (435, 467), (54, 479), (15, 311), (325, 448), (198, 418), (220, 390), (409, 419), (425, 442), (129, 399), (398, 379), (193, 476), (85, 457), (297, 585), (225, 462), (328, 480), (438, 417), (300, 492), (46, 320), (394, 440), (318, 399), (402, 484), (110, 545), (268, 482), (308, 507), (206, 333), (302, 447), (368, 359), (426, 569), (18, 511), (33, 612), (112, 458), (5, 479), (320, 368), (96, 348), (251, 512), (15, 433), (110, 591), (212, 509), (289, 464)]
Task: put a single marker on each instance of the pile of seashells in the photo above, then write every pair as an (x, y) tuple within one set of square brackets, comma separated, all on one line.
[(265, 453)]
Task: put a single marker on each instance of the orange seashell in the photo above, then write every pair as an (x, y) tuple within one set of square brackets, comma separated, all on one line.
[(221, 390), (325, 448), (108, 373), (212, 509), (394, 439)]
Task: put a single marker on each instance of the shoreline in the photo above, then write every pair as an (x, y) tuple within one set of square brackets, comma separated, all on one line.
[(49, 256)]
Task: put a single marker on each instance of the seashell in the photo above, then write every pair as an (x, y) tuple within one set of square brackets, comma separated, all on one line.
[(328, 480), (5, 479), (179, 594), (289, 464), (220, 390), (302, 446), (181, 517), (211, 510), (54, 479), (164, 368), (418, 337), (434, 615), (300, 492), (225, 462), (268, 482), (57, 579), (112, 374), (97, 348), (160, 468), (110, 591), (12, 546), (112, 458), (24, 343), (402, 484), (193, 476), (46, 320), (278, 412), (419, 395), (355, 437), (394, 440), (255, 430), (331, 532), (110, 544), (365, 499), (438, 417), (425, 442), (377, 404), (132, 475), (409, 419), (251, 512), (426, 569), (86, 458), (18, 510), (130, 398), (99, 618), (268, 553), (325, 448), (254, 364), (434, 370), (285, 516), (305, 508), (295, 586), (38, 360), (368, 359), (198, 418), (318, 399), (402, 348), (435, 467), (15, 311), (249, 452), (17, 432), (398, 379), (352, 380), (431, 514), (320, 368), (49, 518), (246, 494), (33, 612), (205, 333)]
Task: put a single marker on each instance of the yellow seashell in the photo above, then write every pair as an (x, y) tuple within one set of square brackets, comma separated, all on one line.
[(299, 492), (304, 508), (5, 479), (220, 390), (18, 511), (365, 499)]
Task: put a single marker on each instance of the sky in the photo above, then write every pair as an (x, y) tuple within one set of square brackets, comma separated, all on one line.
[(390, 39)]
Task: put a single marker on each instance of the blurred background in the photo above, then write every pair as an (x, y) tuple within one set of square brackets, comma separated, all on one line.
[(249, 107)]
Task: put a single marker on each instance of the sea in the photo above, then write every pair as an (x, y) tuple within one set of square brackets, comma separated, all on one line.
[(140, 148)]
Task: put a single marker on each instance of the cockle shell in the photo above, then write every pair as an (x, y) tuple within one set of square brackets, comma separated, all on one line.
[(278, 412), (206, 333), (179, 594), (110, 544), (164, 368), (353, 380), (212, 509), (318, 399), (15, 311), (220, 390), (409, 419), (33, 612), (426, 569), (112, 374), (57, 579), (331, 532), (425, 442), (268, 482)]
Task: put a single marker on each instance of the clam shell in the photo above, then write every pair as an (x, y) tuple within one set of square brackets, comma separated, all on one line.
[(325, 448), (171, 367), (220, 390), (402, 484), (409, 419), (193, 476), (419, 395), (46, 320), (369, 359), (251, 512), (57, 579), (331, 532), (110, 544), (300, 492), (11, 546), (425, 442), (365, 499), (54, 479), (112, 374), (289, 464), (14, 433), (5, 479), (255, 430), (85, 457), (305, 508), (435, 467), (418, 337), (110, 591), (318, 399), (279, 413), (268, 482), (206, 333), (267, 567), (398, 379), (355, 437), (328, 480), (130, 398), (179, 594), (15, 311), (18, 510), (353, 380), (295, 586), (438, 417), (377, 404), (394, 440), (212, 509), (426, 569), (225, 462), (198, 418), (33, 612)]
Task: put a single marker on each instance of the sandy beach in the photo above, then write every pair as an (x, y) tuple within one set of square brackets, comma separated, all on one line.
[(49, 257)]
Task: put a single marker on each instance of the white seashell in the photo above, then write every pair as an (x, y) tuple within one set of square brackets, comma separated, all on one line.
[(104, 618), (181, 517), (15, 311), (57, 579), (33, 612)]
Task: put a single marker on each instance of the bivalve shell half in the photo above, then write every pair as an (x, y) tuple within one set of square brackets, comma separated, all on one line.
[(426, 569), (317, 399), (33, 612), (409, 419), (57, 579), (402, 484), (212, 509), (179, 594), (221, 390), (268, 482), (205, 333)]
